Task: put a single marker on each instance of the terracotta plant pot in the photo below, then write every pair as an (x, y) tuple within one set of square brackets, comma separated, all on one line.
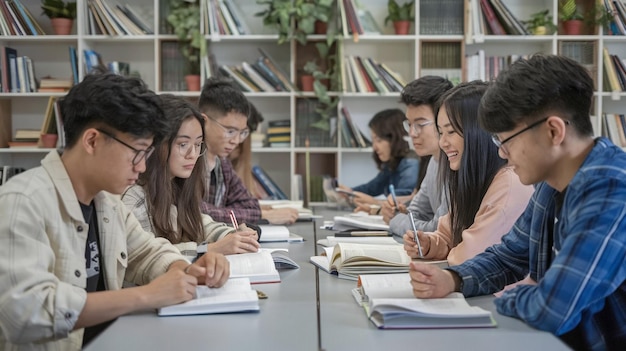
[(573, 27), (306, 82), (62, 26), (402, 27), (193, 82), (49, 140)]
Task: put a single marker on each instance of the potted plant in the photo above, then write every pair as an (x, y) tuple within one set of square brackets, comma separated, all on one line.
[(61, 14), (540, 23), (400, 15), (571, 17), (184, 18), (322, 80), (304, 14)]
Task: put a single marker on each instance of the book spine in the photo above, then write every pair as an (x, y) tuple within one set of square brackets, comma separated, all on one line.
[(268, 183), (491, 18)]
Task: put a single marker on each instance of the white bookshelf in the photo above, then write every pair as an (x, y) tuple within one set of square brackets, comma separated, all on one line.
[(403, 54)]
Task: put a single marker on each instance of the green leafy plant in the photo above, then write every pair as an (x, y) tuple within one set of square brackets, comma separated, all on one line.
[(322, 78), (396, 12), (280, 14), (538, 20), (59, 9), (568, 11), (184, 19)]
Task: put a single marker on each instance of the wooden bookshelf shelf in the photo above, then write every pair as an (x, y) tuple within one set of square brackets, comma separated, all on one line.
[(423, 51)]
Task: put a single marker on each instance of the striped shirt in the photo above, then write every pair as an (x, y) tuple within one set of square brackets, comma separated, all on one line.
[(581, 272)]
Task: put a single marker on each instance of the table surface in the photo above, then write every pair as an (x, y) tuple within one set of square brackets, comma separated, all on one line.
[(310, 310)]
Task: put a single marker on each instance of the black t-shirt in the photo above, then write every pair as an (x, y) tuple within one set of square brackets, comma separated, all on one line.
[(93, 262)]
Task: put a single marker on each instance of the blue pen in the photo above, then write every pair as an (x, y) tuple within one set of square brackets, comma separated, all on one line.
[(417, 241), (393, 195)]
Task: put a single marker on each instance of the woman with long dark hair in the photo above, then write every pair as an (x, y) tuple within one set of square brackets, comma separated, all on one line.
[(485, 196), (397, 164), (166, 198)]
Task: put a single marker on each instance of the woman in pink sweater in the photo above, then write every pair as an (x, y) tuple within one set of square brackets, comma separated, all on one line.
[(485, 195)]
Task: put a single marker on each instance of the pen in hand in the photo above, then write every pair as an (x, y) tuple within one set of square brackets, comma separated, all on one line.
[(417, 241), (233, 220), (392, 191)]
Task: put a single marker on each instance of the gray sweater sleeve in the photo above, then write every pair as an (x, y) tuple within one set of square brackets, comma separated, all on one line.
[(427, 206)]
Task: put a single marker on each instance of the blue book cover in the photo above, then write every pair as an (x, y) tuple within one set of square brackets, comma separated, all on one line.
[(74, 63), (268, 184)]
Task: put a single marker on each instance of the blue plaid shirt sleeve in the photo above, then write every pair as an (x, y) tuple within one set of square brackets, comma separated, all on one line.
[(581, 292)]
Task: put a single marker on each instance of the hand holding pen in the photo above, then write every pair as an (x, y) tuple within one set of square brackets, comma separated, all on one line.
[(411, 241), (241, 241)]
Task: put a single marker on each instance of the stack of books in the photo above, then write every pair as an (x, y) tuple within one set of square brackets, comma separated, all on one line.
[(106, 19), (25, 138), (55, 85), (279, 133), (365, 75)]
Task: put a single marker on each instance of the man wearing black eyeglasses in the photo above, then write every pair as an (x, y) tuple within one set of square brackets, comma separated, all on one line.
[(571, 238), (67, 242)]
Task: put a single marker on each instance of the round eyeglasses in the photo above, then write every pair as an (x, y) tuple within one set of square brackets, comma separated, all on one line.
[(230, 132), (416, 128), (198, 149)]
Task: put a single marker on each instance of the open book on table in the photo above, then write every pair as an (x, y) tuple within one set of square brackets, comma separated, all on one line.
[(235, 296), (389, 303), (281, 258), (273, 233), (257, 266), (359, 220), (348, 260), (334, 240)]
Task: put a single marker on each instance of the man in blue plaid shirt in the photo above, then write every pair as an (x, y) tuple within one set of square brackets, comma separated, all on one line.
[(571, 238)]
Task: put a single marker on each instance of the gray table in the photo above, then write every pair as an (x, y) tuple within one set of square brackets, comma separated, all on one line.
[(291, 320)]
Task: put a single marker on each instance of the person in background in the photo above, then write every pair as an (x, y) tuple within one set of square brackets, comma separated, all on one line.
[(68, 242), (227, 111), (174, 183), (572, 236), (396, 163), (421, 99), (241, 158), (486, 196)]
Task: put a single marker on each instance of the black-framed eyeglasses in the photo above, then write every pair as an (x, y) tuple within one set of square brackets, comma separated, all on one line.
[(500, 144), (139, 154), (230, 132), (416, 128)]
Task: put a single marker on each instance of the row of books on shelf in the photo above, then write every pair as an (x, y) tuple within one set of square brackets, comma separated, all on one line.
[(16, 19), (617, 9), (493, 17), (356, 20), (272, 189), (107, 19), (479, 66), (366, 75), (264, 74), (614, 72), (17, 74), (223, 17), (351, 135), (614, 127)]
